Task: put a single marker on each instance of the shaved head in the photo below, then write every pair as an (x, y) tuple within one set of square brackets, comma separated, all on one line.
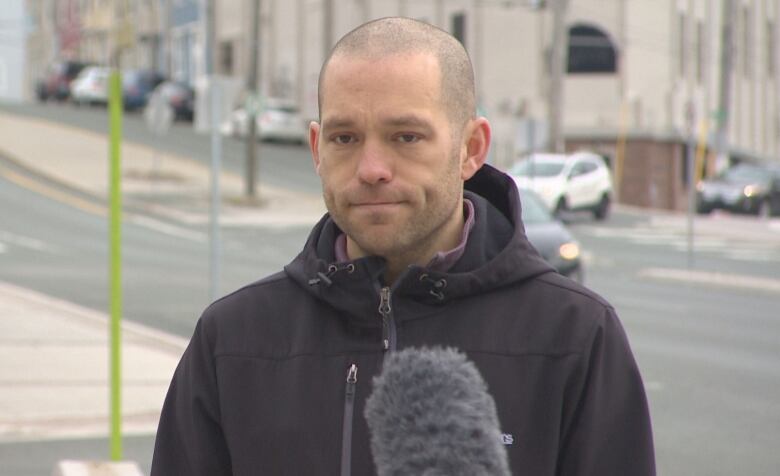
[(396, 36)]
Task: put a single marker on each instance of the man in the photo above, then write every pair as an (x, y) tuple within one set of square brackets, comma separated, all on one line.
[(276, 375)]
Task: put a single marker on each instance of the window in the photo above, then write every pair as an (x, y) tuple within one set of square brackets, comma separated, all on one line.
[(226, 57), (700, 53), (459, 27), (590, 51), (681, 44)]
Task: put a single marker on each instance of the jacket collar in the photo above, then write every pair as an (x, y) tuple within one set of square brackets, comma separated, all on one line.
[(497, 253)]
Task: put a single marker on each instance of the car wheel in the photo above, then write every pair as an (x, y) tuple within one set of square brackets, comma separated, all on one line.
[(602, 209)]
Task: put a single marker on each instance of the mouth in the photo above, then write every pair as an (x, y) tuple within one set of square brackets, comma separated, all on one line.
[(376, 206)]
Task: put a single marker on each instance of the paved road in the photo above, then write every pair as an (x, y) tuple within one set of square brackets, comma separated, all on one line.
[(706, 339), (60, 250)]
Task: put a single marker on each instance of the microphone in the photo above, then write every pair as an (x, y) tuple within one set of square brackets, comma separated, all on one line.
[(430, 415)]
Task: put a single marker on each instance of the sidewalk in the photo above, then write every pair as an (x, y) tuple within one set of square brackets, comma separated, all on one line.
[(169, 186), (54, 380)]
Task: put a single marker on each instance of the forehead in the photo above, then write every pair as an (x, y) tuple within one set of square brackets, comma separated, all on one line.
[(374, 83)]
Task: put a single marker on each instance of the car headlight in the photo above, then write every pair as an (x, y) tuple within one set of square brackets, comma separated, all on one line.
[(569, 251), (751, 190)]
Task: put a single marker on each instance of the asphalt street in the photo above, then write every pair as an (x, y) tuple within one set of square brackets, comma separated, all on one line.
[(705, 337)]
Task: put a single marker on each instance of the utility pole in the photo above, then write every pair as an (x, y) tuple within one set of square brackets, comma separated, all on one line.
[(327, 27), (216, 151), (724, 99), (558, 51), (167, 40), (251, 107)]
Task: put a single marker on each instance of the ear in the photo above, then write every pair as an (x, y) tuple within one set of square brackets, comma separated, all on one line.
[(314, 141), (476, 142)]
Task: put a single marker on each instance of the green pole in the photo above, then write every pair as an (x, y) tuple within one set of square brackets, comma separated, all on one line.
[(115, 270)]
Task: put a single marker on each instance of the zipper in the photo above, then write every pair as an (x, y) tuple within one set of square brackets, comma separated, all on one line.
[(346, 430), (388, 324)]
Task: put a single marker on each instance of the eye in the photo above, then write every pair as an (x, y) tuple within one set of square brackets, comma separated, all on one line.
[(407, 138), (343, 139)]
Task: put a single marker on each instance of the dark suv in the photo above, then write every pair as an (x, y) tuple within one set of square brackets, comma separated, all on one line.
[(55, 84), (743, 188)]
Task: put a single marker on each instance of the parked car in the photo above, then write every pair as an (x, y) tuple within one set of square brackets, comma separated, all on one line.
[(278, 120), (91, 86), (56, 82), (179, 96), (550, 237), (137, 85), (580, 181), (743, 188)]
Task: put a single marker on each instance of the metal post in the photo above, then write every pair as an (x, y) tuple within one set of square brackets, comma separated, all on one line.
[(216, 154), (252, 89), (691, 165), (115, 226), (115, 253), (558, 52)]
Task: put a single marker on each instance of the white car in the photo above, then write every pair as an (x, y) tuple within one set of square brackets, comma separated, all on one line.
[(579, 181), (90, 86), (278, 121)]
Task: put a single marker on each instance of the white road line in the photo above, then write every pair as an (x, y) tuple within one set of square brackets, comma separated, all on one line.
[(712, 278), (168, 229), (26, 242)]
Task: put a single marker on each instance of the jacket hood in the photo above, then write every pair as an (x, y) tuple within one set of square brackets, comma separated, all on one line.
[(497, 254)]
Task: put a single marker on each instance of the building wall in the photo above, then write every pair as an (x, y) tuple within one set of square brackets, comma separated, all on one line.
[(665, 88), (12, 50)]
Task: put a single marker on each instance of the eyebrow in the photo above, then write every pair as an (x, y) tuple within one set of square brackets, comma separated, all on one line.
[(337, 123), (408, 120), (404, 120)]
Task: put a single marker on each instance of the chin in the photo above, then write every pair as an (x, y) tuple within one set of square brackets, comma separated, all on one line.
[(377, 244)]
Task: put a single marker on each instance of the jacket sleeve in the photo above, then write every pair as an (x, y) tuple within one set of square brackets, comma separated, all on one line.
[(608, 432), (190, 440)]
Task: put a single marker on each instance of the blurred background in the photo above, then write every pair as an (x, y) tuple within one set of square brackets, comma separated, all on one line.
[(644, 135)]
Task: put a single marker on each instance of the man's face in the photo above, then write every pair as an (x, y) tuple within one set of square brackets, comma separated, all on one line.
[(387, 156)]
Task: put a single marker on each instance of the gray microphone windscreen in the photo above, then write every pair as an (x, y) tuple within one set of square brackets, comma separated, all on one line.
[(430, 414)]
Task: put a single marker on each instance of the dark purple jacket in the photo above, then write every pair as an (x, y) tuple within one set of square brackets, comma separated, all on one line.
[(263, 387)]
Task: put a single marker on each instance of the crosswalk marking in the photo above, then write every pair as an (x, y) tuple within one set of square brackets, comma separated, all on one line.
[(671, 235)]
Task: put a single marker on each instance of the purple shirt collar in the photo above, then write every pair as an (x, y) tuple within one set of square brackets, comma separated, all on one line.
[(441, 261)]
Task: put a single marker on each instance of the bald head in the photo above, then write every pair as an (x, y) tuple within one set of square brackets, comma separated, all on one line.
[(385, 37)]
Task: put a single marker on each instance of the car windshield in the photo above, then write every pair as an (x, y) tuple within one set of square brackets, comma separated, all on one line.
[(533, 210), (537, 168), (743, 173), (132, 77)]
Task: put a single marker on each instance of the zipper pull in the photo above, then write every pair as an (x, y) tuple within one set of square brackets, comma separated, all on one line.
[(384, 311), (351, 379), (384, 302)]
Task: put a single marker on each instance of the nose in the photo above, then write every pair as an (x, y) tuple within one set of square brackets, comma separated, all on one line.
[(375, 164)]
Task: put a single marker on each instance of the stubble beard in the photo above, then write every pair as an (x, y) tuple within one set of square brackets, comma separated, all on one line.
[(413, 240)]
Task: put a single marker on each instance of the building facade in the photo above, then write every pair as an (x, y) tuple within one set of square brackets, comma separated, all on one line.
[(13, 52), (642, 79)]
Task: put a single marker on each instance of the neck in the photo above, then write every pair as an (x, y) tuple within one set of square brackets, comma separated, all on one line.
[(443, 239)]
